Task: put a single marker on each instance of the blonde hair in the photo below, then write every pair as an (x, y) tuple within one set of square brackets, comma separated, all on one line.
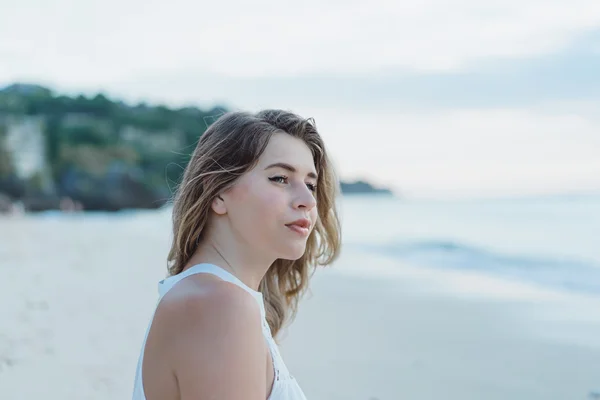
[(231, 146)]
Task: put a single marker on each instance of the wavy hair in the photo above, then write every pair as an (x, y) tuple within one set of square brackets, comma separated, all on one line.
[(230, 147)]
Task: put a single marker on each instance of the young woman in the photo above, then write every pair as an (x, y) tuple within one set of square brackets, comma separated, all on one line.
[(253, 215)]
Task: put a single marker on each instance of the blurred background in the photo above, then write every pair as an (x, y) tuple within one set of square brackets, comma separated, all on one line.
[(466, 135)]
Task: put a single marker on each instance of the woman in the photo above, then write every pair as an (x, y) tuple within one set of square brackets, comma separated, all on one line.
[(254, 213)]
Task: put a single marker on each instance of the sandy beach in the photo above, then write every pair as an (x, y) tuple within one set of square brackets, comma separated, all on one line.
[(76, 295)]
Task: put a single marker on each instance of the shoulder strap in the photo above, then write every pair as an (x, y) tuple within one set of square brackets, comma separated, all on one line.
[(166, 284)]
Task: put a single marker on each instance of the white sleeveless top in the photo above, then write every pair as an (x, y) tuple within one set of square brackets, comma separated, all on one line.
[(284, 387)]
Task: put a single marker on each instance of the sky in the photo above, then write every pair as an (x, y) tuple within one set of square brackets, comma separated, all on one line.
[(435, 98)]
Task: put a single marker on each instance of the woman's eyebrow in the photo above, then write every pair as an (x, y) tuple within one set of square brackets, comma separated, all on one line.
[(290, 168)]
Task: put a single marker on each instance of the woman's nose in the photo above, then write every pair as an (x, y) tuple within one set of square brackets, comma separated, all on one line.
[(305, 199)]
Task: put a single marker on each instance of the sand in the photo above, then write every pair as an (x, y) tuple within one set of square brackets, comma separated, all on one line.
[(76, 295), (371, 340)]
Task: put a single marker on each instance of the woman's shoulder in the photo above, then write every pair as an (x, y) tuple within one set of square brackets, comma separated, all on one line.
[(203, 323), (201, 300)]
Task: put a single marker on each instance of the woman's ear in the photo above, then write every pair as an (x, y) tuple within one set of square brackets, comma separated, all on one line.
[(218, 205)]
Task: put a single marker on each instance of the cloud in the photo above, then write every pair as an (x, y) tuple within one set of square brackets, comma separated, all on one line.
[(571, 75), (75, 42), (549, 81)]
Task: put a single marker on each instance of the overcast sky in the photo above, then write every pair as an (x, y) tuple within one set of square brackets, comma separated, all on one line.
[(435, 97)]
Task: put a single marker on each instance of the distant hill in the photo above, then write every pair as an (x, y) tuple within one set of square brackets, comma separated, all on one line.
[(96, 152), (24, 89), (362, 187)]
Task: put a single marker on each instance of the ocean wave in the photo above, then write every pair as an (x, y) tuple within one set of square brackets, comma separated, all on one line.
[(564, 272)]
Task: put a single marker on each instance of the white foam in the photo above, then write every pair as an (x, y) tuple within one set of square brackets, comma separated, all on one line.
[(458, 283)]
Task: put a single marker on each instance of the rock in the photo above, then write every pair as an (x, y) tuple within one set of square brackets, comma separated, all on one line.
[(38, 203), (6, 206)]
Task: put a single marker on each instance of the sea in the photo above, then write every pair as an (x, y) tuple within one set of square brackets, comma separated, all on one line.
[(548, 242)]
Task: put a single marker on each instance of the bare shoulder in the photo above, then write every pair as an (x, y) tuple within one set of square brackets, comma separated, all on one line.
[(212, 338), (208, 300)]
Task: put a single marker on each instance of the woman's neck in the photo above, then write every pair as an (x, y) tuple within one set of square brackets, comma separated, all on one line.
[(231, 257)]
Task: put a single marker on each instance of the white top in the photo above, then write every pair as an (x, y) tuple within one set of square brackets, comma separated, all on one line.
[(284, 387)]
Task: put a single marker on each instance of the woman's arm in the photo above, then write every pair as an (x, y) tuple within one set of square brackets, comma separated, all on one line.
[(217, 348)]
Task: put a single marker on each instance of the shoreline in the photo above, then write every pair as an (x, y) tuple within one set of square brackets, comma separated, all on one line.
[(77, 295)]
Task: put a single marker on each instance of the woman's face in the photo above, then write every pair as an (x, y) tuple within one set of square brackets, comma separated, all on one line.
[(272, 208)]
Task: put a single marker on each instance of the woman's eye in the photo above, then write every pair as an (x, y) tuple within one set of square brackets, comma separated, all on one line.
[(284, 179), (279, 179)]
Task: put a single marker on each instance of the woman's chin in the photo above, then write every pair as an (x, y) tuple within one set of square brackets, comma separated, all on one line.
[(293, 253)]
